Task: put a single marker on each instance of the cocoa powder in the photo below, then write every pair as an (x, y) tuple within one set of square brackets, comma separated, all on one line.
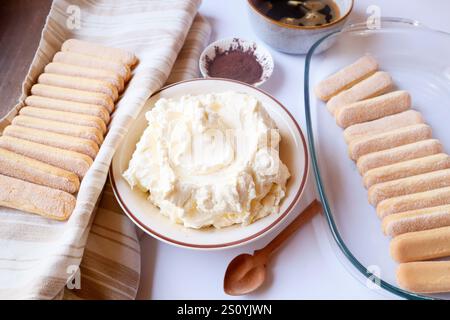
[(235, 63)]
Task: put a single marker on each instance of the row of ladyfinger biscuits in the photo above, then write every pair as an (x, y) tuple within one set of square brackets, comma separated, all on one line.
[(405, 170), (52, 142)]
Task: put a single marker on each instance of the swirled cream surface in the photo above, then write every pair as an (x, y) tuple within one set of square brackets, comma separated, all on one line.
[(210, 160)]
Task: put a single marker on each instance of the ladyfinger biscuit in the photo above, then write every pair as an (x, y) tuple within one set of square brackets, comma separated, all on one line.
[(30, 197), (65, 159), (346, 77), (424, 276), (372, 109), (62, 116), (416, 220), (421, 245), (17, 166), (73, 130), (432, 198), (52, 139), (88, 97), (93, 49), (69, 106), (388, 140), (378, 83), (396, 121), (82, 60), (398, 154), (406, 169), (419, 183), (83, 72), (79, 83)]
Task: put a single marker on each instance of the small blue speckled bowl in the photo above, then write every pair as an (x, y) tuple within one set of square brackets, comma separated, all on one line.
[(294, 39)]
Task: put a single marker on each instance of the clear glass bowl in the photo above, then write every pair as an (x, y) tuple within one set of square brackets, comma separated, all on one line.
[(417, 59)]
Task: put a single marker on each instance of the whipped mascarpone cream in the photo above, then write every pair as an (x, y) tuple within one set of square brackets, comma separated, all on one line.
[(210, 160)]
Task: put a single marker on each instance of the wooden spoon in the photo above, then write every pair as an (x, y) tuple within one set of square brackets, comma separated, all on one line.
[(246, 272)]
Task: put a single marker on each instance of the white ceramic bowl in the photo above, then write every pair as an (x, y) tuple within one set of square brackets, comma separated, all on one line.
[(262, 55), (294, 39), (293, 153)]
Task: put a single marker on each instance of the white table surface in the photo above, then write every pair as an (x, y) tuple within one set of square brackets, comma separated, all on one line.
[(307, 266)]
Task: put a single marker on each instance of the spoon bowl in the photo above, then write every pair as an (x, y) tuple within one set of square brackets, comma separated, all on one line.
[(244, 275)]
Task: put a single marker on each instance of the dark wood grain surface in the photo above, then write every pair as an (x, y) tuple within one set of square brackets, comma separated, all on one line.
[(21, 23)]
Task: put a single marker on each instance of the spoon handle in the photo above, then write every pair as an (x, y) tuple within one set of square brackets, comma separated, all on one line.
[(299, 221)]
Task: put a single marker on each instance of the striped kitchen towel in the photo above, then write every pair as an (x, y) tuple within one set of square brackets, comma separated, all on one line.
[(39, 256)]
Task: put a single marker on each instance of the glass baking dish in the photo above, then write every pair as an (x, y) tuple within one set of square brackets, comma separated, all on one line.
[(417, 59)]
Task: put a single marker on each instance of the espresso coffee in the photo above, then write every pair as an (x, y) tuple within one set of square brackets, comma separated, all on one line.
[(306, 13)]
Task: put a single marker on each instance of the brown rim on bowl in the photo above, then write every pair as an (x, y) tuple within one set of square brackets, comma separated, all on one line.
[(285, 25), (227, 244)]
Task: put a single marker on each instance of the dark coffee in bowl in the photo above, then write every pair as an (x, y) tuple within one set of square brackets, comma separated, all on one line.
[(307, 13)]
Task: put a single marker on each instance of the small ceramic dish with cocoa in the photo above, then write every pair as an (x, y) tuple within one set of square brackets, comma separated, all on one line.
[(237, 59)]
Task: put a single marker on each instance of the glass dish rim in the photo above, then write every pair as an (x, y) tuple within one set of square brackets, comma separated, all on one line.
[(394, 22)]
